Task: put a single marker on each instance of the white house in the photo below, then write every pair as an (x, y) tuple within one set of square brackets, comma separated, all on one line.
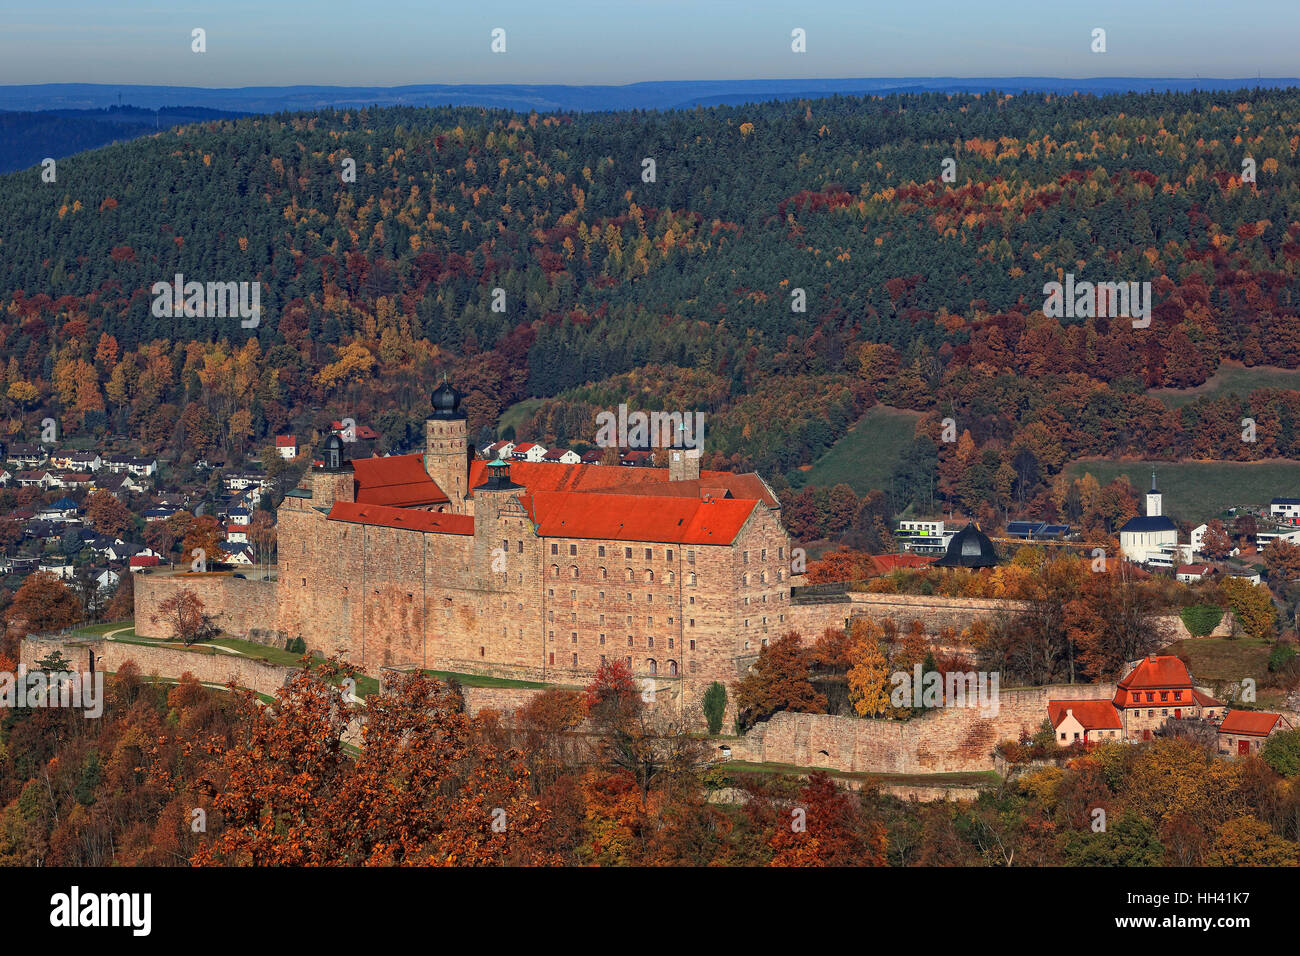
[(1144, 539), (286, 446), (528, 451), (107, 579), (1190, 573), (1285, 510), (58, 567)]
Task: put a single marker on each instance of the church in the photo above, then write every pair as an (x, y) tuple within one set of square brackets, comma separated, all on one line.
[(530, 570), (1152, 537)]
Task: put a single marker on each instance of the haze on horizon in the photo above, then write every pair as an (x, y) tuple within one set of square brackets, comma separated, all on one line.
[(403, 42)]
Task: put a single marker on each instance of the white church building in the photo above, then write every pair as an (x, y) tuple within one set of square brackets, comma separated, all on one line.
[(1153, 538)]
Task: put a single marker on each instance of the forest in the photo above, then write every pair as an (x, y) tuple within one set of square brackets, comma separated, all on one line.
[(782, 267)]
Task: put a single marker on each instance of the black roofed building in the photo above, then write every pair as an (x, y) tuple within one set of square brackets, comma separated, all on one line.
[(1151, 536), (969, 548)]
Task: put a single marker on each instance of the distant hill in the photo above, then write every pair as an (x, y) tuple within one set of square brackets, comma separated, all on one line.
[(543, 98), (26, 138)]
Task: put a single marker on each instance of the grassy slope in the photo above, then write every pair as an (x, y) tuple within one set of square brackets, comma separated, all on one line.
[(1232, 377), (1196, 491), (865, 457)]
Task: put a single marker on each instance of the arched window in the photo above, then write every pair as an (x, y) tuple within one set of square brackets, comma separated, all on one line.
[(671, 577), (744, 579), (603, 574), (628, 575), (555, 570), (574, 570), (652, 665), (672, 668), (649, 575), (690, 579)]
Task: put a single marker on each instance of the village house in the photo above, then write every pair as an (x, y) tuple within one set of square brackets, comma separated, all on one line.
[(76, 460), (1155, 689), (286, 446), (25, 455), (498, 449), (1152, 538), (1244, 731), (37, 479), (141, 467), (562, 456), (528, 451), (1191, 573), (1285, 510)]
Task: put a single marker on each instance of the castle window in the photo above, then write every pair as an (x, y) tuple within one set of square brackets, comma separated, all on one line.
[(763, 554), (602, 659), (603, 574), (552, 658), (555, 548), (746, 556), (780, 554), (550, 592), (762, 577), (573, 638), (670, 640), (505, 545), (694, 666), (602, 619), (671, 577), (629, 620), (690, 557), (600, 551), (690, 579), (669, 554), (575, 660), (304, 582), (672, 668), (521, 547), (744, 579), (482, 651), (627, 574), (573, 595), (574, 570), (692, 625), (629, 641), (627, 552), (573, 618), (629, 661), (650, 642), (647, 554), (692, 639), (602, 644), (555, 570), (652, 665), (649, 575)]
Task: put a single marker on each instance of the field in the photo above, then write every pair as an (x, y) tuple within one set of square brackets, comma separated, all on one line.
[(516, 415), (1232, 377), (1196, 491), (1214, 659), (865, 457)]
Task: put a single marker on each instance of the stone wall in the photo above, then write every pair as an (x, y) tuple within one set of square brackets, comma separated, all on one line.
[(933, 611), (941, 741), (243, 607), (168, 662)]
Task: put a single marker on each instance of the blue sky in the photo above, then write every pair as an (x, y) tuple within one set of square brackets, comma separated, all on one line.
[(396, 42)]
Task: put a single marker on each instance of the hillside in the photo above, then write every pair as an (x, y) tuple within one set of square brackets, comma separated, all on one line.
[(782, 267)]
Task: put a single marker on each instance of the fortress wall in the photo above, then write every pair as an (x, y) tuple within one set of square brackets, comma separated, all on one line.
[(946, 740)]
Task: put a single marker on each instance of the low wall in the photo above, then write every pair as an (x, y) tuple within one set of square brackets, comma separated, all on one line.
[(243, 607), (169, 662), (940, 741), (933, 611)]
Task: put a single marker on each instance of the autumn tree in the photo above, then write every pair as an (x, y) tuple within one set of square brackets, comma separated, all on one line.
[(778, 681), (869, 675), (43, 603), (107, 515), (1282, 558), (1216, 542), (185, 615)]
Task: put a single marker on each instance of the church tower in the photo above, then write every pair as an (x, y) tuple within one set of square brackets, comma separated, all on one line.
[(446, 450), (1153, 498)]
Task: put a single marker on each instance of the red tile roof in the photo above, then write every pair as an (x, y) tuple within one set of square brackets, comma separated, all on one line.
[(1157, 671), (549, 476), (143, 561), (1092, 714), (615, 517), (399, 482), (383, 516), (1250, 723), (285, 441), (1201, 569), (1205, 700)]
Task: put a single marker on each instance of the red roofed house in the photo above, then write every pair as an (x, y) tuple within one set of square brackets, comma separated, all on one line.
[(1189, 573), (354, 432), (527, 451), (286, 446), (1244, 731), (1156, 689), (1084, 721), (527, 569), (138, 562)]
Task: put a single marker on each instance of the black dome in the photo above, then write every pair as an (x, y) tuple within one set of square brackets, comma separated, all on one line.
[(446, 402), (333, 457), (969, 548)]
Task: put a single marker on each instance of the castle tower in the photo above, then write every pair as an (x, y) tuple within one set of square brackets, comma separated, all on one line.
[(1153, 498), (683, 464), (446, 450), (332, 480)]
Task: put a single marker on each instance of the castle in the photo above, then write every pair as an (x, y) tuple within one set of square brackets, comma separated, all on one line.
[(529, 570)]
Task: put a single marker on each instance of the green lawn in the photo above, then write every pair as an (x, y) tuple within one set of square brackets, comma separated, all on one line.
[(480, 680), (865, 457), (1223, 659), (1196, 491), (516, 415), (1231, 378), (973, 778), (102, 628)]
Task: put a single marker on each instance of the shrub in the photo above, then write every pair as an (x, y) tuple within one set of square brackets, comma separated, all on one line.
[(1201, 619), (715, 705)]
